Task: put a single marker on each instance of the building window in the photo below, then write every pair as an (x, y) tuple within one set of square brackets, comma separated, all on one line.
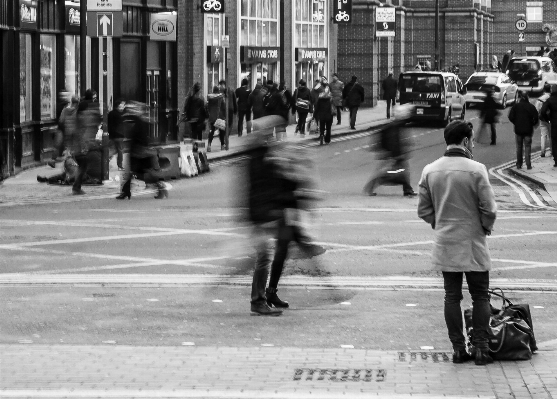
[(310, 23), (25, 77), (71, 65), (534, 11), (259, 23), (48, 76)]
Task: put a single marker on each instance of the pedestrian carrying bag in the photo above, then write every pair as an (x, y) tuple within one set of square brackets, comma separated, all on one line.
[(302, 104), (511, 332), (220, 124)]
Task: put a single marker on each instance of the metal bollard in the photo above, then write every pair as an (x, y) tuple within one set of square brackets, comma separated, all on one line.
[(105, 158)]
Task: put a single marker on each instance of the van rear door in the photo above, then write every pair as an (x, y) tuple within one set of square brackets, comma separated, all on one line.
[(421, 89)]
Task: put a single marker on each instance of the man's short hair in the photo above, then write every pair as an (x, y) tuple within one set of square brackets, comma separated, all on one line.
[(456, 131), (222, 82), (547, 88), (553, 89)]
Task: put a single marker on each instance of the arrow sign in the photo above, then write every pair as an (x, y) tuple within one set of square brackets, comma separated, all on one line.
[(105, 21)]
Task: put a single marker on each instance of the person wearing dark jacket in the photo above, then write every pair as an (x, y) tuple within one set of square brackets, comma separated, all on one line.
[(244, 111), (217, 110), (353, 95), (324, 111), (116, 130), (524, 117), (278, 104), (506, 58), (194, 112), (389, 87), (231, 108), (302, 104), (488, 115), (255, 100), (548, 113)]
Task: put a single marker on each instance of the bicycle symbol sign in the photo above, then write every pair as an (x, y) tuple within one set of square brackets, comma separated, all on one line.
[(521, 24), (213, 5)]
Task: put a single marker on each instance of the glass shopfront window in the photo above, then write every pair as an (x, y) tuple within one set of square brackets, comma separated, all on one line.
[(48, 76), (310, 33), (71, 65), (25, 77)]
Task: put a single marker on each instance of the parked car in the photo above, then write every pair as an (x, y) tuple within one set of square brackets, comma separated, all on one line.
[(532, 73), (504, 89), (437, 95)]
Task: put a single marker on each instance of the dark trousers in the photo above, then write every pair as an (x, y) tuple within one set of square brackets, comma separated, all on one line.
[(81, 160), (118, 145), (325, 128), (241, 115), (478, 286), (212, 134), (397, 174), (493, 131), (197, 130), (390, 102), (554, 143), (526, 142), (301, 125), (339, 110), (353, 113)]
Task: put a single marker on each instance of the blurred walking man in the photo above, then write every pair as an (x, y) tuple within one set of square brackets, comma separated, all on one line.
[(549, 114), (545, 126), (457, 200), (389, 86), (353, 96)]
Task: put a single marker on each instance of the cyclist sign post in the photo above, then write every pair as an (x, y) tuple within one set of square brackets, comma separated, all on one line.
[(342, 11), (212, 6)]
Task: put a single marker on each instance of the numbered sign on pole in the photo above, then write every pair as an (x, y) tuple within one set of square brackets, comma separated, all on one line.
[(521, 25), (385, 21)]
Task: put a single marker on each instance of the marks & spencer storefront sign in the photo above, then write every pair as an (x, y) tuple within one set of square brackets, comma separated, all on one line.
[(311, 54), (259, 54), (28, 14)]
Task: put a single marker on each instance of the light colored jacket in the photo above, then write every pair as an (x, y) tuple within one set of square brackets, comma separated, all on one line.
[(539, 104), (336, 92), (457, 200)]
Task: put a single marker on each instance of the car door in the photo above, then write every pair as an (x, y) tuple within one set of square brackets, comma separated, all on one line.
[(454, 97), (510, 87)]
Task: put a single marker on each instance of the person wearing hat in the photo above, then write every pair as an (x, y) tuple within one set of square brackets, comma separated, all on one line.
[(336, 91), (389, 87), (353, 97)]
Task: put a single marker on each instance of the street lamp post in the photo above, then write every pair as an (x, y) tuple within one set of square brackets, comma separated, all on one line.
[(436, 35), (82, 47)]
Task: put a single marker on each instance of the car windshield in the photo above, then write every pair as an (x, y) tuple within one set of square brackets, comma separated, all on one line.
[(420, 83), (480, 80), (524, 66)]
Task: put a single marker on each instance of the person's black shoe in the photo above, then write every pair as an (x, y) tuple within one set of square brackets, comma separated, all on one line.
[(461, 356), (338, 123), (123, 196), (264, 310), (481, 357), (492, 143), (41, 179), (274, 300), (555, 165), (519, 167), (529, 167), (542, 155), (78, 192), (410, 194), (352, 127)]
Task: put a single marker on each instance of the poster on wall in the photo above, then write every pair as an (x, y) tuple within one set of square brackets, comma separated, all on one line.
[(46, 80), (162, 27)]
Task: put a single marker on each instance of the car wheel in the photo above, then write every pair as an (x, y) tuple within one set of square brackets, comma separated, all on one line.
[(504, 101)]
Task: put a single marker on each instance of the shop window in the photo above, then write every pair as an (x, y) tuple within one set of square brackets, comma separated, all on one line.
[(534, 11), (48, 76), (71, 65), (25, 77), (259, 25)]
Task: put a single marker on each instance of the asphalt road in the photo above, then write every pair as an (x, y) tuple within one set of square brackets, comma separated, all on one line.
[(201, 230)]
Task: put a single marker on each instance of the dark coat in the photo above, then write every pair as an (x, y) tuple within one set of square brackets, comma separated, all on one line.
[(230, 97), (391, 140), (88, 121), (242, 96), (302, 93), (194, 108), (505, 63), (524, 117), (255, 100), (354, 97), (276, 106), (323, 107), (115, 125), (489, 111), (389, 87), (548, 112), (216, 107)]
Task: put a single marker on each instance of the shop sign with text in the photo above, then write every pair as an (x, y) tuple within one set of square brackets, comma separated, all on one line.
[(104, 5), (259, 54), (163, 27), (311, 54), (28, 13), (73, 15)]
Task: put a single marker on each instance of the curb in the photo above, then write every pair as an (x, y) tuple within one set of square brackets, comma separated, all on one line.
[(526, 176)]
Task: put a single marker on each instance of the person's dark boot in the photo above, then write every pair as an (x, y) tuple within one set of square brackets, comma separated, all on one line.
[(273, 299), (262, 309), (482, 357), (163, 192), (461, 356)]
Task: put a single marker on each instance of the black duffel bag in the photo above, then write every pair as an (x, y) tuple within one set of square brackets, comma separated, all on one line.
[(511, 332)]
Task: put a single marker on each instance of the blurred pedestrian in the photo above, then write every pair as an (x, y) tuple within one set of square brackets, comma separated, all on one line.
[(255, 100), (546, 52), (302, 104), (143, 159), (276, 103), (495, 63), (244, 111), (116, 131), (217, 110), (353, 97), (489, 116), (457, 200), (83, 138), (540, 52), (67, 124), (389, 86), (193, 112), (524, 117), (549, 114), (231, 109), (336, 91), (545, 127), (394, 155), (506, 58), (324, 111)]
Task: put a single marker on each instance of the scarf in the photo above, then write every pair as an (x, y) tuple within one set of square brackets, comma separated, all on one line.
[(458, 152)]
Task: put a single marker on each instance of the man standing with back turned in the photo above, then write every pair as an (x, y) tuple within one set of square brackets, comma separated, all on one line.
[(457, 200), (389, 86)]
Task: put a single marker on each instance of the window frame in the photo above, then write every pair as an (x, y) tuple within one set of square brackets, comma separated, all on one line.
[(531, 12)]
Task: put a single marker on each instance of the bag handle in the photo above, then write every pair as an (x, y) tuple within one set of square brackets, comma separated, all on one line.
[(501, 343), (502, 296)]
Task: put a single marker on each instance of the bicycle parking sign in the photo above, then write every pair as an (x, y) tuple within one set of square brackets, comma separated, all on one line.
[(342, 11), (210, 6)]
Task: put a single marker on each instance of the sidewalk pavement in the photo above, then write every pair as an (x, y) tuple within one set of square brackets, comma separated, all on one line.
[(543, 173), (189, 371), (24, 188)]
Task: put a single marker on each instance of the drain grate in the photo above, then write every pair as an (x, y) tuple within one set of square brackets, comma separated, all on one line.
[(435, 357), (340, 375), (103, 295)]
